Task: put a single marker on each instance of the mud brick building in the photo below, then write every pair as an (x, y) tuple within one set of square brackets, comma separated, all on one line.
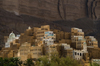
[(39, 41)]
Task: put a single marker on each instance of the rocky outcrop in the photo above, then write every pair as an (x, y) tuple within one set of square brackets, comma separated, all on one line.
[(46, 9), (11, 6), (94, 9), (54, 9), (72, 9)]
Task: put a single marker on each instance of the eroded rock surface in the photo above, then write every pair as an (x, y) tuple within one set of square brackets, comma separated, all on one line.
[(94, 9), (54, 9)]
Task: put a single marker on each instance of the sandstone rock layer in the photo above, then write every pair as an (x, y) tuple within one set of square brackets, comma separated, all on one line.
[(54, 9)]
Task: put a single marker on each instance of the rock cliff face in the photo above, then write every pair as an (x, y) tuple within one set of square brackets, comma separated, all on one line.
[(94, 9), (54, 9), (72, 9), (1, 3)]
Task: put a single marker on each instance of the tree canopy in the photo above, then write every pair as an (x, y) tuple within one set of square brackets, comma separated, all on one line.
[(56, 61)]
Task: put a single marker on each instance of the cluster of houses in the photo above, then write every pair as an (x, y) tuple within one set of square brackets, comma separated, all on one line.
[(37, 42)]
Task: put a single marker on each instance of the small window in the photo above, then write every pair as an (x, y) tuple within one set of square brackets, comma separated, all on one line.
[(80, 54), (40, 53), (75, 53), (34, 53), (39, 49)]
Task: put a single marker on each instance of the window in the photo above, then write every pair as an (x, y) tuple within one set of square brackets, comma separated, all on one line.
[(80, 54), (25, 53), (34, 50), (53, 47), (39, 49), (75, 53), (39, 53), (46, 29), (34, 53)]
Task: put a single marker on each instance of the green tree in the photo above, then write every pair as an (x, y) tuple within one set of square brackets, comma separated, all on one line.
[(29, 62), (20, 63), (44, 61), (16, 60), (1, 62), (11, 60), (56, 61), (6, 62), (11, 64), (94, 64)]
